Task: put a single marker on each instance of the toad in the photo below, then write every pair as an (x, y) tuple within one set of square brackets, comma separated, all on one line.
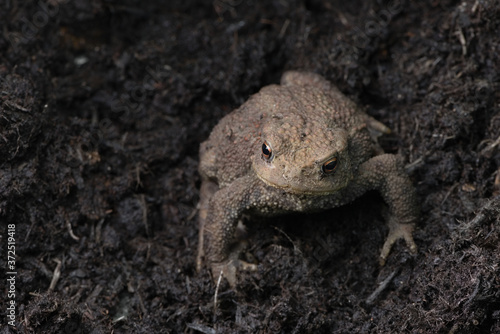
[(300, 146)]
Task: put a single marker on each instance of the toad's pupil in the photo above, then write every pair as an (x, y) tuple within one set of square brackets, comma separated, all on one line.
[(266, 150), (329, 166)]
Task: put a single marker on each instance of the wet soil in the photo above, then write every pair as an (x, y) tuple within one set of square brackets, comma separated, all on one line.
[(103, 105)]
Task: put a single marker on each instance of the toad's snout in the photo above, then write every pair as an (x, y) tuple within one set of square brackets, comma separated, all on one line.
[(291, 175)]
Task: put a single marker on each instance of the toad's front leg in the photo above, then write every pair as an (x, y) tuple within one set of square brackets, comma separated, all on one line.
[(386, 174), (225, 209)]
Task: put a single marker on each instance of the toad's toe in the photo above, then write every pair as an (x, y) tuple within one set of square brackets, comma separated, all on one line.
[(398, 231), (229, 269)]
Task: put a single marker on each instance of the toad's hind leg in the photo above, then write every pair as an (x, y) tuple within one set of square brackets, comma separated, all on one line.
[(376, 129), (207, 189)]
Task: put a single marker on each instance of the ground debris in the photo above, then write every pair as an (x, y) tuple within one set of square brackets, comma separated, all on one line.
[(103, 106)]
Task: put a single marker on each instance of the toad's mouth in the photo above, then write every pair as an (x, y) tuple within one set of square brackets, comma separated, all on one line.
[(294, 188)]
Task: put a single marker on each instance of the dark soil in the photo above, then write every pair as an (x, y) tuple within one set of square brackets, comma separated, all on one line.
[(103, 105)]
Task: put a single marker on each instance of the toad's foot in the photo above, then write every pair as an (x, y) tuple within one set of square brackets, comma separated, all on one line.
[(229, 268), (398, 231), (231, 265)]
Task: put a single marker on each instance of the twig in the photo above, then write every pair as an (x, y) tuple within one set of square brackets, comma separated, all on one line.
[(382, 286), (489, 149), (493, 204), (217, 291), (17, 106), (201, 328), (283, 28), (462, 40), (70, 230), (56, 275), (144, 206), (295, 248), (141, 302)]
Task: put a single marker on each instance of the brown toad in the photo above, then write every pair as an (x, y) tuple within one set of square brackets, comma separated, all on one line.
[(301, 146)]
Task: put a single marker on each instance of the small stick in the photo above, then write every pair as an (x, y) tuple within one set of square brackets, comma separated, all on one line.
[(56, 275), (382, 286), (70, 230), (217, 290)]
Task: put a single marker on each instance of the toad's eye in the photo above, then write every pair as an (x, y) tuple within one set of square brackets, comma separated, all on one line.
[(329, 166), (267, 152)]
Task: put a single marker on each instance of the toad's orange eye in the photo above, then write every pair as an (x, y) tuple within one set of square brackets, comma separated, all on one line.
[(329, 167), (267, 152)]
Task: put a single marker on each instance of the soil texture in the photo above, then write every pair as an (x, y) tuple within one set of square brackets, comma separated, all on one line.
[(103, 105)]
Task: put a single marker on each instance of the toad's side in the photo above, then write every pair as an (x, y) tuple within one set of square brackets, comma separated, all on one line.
[(301, 146)]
